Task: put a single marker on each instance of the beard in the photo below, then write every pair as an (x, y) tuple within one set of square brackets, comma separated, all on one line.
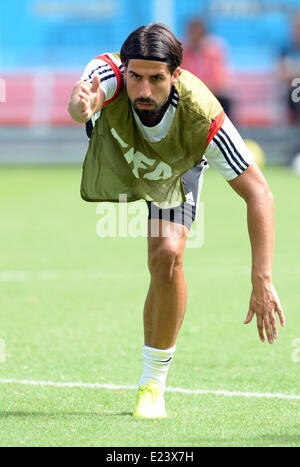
[(147, 114)]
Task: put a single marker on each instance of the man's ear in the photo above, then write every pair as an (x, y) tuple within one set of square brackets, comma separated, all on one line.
[(176, 75)]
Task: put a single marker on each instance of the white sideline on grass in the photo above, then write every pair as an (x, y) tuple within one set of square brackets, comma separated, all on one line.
[(80, 384)]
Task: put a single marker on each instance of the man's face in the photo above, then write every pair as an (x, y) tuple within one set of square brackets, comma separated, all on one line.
[(148, 85)]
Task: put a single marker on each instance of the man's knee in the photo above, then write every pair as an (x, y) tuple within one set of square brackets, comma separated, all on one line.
[(165, 257)]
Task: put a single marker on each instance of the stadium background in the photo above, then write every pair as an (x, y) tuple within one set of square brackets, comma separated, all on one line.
[(45, 45)]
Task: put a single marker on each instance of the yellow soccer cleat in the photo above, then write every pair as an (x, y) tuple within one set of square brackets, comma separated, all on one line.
[(150, 402)]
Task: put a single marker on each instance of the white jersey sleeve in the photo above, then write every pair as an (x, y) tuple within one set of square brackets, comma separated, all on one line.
[(227, 152), (107, 76)]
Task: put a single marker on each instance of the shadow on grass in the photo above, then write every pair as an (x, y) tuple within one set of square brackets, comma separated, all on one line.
[(274, 439), (267, 440)]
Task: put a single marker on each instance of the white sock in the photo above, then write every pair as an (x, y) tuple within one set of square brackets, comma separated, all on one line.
[(156, 365)]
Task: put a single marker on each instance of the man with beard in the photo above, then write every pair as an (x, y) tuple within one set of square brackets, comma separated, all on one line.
[(154, 128)]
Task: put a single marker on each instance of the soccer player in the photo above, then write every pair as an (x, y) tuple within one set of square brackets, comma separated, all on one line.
[(154, 128)]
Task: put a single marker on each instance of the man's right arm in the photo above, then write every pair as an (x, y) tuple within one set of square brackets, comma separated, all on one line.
[(86, 100)]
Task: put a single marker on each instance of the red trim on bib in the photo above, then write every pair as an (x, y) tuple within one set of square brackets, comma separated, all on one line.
[(117, 73), (215, 126)]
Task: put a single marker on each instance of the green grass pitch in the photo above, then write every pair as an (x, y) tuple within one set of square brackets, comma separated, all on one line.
[(71, 311)]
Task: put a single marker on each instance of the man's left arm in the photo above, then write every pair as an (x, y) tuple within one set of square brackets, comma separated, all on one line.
[(264, 303)]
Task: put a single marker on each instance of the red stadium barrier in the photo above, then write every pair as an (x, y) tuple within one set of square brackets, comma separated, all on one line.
[(42, 98), (62, 89), (19, 96), (256, 99), (37, 99)]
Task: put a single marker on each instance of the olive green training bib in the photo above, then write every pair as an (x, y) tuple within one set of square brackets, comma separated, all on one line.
[(121, 161)]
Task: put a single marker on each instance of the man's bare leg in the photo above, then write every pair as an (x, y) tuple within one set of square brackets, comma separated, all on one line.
[(163, 313), (165, 304)]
